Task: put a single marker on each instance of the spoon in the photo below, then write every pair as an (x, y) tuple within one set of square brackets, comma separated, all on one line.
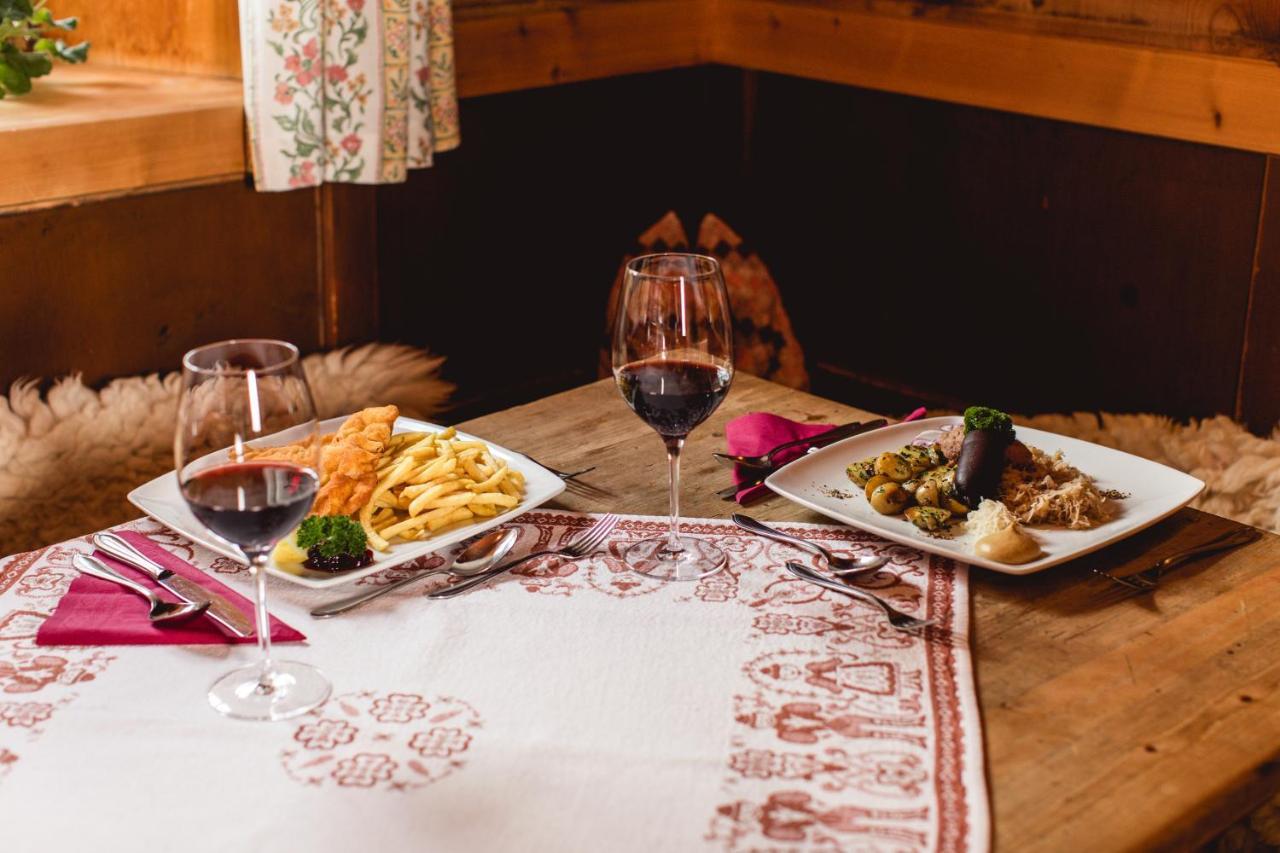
[(476, 558), (161, 611), (837, 565)]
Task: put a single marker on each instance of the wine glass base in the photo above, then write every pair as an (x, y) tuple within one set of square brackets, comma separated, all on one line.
[(296, 688), (696, 559)]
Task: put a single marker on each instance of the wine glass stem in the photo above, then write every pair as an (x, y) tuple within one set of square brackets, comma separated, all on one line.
[(258, 561), (674, 446)]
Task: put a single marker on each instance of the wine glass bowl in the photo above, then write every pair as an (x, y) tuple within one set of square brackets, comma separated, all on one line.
[(673, 362), (246, 450)]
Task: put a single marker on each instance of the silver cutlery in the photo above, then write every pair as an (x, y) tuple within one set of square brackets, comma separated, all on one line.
[(161, 611), (478, 557), (216, 607), (730, 493), (1149, 579), (584, 543), (571, 480), (765, 460), (902, 621), (838, 565)]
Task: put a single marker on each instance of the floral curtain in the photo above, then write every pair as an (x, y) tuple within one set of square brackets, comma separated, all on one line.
[(357, 91)]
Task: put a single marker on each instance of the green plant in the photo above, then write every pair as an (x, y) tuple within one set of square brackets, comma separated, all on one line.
[(26, 50)]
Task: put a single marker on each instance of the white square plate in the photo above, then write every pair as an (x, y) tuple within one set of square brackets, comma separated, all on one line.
[(162, 500), (1154, 491)]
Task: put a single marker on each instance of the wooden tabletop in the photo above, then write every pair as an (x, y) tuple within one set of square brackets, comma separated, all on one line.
[(1111, 724)]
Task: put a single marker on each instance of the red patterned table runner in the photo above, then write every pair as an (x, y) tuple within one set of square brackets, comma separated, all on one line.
[(598, 707)]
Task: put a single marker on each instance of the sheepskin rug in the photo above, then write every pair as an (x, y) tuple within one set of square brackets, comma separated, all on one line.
[(69, 457)]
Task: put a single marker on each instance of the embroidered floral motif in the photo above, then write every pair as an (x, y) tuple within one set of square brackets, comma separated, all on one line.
[(325, 734), (400, 708), (440, 742), (364, 770)]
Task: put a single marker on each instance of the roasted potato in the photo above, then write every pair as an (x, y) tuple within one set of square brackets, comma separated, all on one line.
[(861, 472), (893, 466), (928, 517), (889, 498), (927, 494), (874, 483)]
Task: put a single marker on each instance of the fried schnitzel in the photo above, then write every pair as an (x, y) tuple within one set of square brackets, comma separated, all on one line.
[(348, 460)]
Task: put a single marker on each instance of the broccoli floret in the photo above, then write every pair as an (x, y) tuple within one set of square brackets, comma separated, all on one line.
[(984, 418), (332, 536)]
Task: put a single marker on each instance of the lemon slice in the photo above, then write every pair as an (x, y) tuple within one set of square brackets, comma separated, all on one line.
[(287, 550)]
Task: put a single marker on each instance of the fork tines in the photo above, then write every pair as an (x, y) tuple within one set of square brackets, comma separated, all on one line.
[(595, 535)]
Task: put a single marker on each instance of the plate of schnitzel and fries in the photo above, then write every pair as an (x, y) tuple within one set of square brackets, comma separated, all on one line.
[(400, 487)]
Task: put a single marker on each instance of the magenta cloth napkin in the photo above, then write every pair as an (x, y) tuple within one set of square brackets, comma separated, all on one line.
[(756, 433), (95, 612)]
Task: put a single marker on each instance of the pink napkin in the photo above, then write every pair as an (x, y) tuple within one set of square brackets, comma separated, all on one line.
[(759, 432), (95, 612)]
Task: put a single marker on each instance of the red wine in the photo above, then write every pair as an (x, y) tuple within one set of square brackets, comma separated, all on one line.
[(253, 504), (673, 396)]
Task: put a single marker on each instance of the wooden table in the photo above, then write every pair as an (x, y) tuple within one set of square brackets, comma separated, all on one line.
[(1136, 723)]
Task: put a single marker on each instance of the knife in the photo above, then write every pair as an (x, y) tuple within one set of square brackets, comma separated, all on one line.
[(731, 492), (220, 609)]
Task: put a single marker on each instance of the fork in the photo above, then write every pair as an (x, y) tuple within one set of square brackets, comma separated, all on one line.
[(902, 621), (571, 478), (1148, 579), (584, 543)]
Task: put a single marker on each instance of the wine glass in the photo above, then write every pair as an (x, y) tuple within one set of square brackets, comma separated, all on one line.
[(239, 399), (673, 360)]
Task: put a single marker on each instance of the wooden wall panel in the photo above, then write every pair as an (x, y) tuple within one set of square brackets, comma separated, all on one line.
[(126, 286), (1029, 264), (190, 36), (1259, 400), (501, 256)]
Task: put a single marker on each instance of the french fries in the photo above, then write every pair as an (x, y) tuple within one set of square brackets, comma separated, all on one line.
[(430, 481)]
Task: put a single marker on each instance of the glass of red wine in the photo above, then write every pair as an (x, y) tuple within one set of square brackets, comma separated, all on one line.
[(240, 399), (673, 360)]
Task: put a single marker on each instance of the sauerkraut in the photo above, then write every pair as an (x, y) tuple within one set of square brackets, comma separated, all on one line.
[(1051, 491)]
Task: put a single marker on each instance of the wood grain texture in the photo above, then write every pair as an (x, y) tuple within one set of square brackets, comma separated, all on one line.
[(347, 226), (184, 36), (1258, 398), (1111, 724), (126, 286), (578, 41), (1183, 95), (1108, 271), (94, 130)]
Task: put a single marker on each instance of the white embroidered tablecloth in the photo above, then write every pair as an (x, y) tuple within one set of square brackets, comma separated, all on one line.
[(573, 706)]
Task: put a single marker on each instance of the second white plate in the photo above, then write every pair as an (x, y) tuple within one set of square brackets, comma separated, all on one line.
[(818, 481)]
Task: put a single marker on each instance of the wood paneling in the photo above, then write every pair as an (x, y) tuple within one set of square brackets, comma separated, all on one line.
[(95, 130), (126, 286), (1182, 95), (581, 41), (187, 36), (501, 256), (348, 232), (1033, 265), (1259, 397)]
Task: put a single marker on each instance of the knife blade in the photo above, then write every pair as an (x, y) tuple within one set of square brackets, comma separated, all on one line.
[(220, 609), (731, 493)]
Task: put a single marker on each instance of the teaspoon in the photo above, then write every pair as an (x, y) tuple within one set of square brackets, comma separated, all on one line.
[(838, 565), (476, 558)]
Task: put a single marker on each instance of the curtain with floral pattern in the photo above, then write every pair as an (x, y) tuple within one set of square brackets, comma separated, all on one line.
[(357, 91)]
